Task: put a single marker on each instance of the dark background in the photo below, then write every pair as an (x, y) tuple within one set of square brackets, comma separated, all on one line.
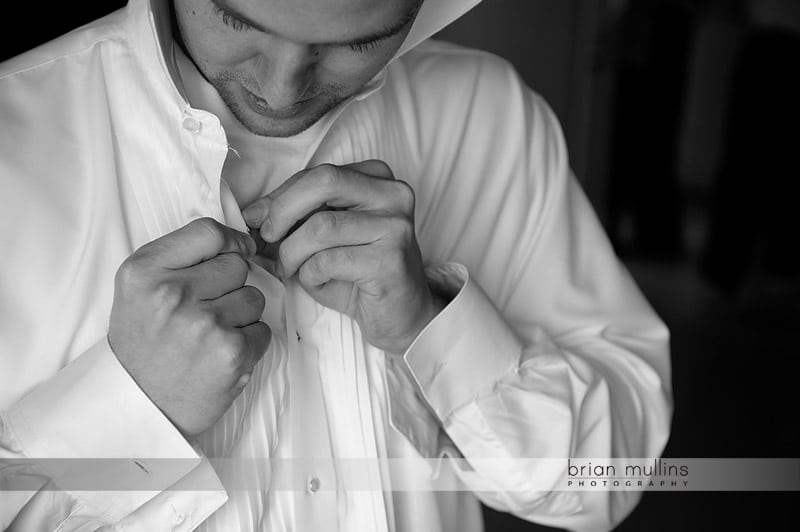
[(682, 123)]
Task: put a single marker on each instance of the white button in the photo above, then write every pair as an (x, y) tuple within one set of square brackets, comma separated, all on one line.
[(313, 485), (191, 124)]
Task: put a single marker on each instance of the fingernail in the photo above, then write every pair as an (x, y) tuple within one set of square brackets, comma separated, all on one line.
[(266, 229), (254, 214)]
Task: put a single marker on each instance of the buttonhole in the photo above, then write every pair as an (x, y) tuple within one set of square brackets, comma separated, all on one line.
[(141, 466)]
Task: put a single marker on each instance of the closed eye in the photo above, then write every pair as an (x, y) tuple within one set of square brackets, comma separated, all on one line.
[(231, 20), (364, 47), (238, 23)]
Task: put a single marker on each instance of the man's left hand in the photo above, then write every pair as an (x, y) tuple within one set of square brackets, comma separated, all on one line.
[(347, 232)]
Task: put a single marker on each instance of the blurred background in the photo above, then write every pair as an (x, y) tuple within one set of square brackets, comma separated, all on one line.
[(681, 117)]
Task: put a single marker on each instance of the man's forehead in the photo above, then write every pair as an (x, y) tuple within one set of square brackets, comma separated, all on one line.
[(323, 20)]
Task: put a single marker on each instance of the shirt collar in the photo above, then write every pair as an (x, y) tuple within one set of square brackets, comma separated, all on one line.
[(150, 27), (152, 20), (152, 32)]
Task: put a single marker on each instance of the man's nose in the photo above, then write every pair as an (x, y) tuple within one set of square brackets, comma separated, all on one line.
[(283, 73)]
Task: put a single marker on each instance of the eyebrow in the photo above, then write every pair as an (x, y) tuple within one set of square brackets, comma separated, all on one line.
[(379, 35)]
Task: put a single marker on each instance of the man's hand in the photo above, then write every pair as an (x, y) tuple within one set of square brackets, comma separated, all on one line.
[(348, 234), (184, 326)]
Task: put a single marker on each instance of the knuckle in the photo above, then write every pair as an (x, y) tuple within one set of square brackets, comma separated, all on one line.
[(380, 290), (405, 195), (231, 349), (323, 223), (377, 288), (214, 229), (325, 175), (204, 325), (168, 295), (128, 273), (234, 264), (206, 222)]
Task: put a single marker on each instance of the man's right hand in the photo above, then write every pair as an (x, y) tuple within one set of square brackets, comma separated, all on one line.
[(184, 325)]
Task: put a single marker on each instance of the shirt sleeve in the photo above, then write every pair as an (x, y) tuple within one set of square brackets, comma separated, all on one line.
[(548, 349), (87, 448)]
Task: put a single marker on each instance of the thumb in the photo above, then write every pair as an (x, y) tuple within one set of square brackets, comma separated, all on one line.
[(196, 242)]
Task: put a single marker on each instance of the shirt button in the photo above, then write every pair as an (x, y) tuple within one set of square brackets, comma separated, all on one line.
[(313, 485), (191, 124)]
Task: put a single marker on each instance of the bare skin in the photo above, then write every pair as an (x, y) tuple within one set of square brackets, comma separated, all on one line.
[(362, 258), (184, 325)]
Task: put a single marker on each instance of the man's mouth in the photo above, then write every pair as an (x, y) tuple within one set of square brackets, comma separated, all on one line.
[(260, 106)]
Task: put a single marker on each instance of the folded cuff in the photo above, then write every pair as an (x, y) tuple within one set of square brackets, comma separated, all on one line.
[(91, 428), (465, 349)]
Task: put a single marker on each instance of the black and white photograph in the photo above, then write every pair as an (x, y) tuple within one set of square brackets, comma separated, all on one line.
[(399, 265)]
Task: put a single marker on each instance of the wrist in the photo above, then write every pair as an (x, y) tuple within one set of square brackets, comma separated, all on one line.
[(436, 301)]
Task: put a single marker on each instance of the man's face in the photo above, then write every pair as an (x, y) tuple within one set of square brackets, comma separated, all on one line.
[(280, 65)]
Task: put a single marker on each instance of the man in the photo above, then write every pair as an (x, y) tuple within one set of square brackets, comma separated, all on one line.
[(425, 279)]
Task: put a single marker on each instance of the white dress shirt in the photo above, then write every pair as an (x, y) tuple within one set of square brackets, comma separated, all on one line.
[(546, 350)]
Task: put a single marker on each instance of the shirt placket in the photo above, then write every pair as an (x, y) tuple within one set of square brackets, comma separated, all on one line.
[(313, 471), (332, 431), (204, 134)]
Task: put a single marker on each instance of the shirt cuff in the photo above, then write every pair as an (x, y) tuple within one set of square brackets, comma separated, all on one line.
[(182, 507), (465, 349), (92, 409)]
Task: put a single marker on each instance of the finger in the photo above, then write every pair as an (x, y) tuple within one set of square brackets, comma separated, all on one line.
[(255, 212), (355, 264), (257, 338), (373, 167), (239, 308), (331, 186), (195, 242), (217, 276), (341, 296), (331, 229)]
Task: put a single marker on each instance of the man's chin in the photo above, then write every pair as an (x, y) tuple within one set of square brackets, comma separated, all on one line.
[(260, 123), (275, 127)]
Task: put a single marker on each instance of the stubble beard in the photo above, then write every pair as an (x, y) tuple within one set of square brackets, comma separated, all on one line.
[(228, 87)]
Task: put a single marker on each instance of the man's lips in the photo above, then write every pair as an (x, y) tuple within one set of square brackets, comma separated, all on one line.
[(260, 106)]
